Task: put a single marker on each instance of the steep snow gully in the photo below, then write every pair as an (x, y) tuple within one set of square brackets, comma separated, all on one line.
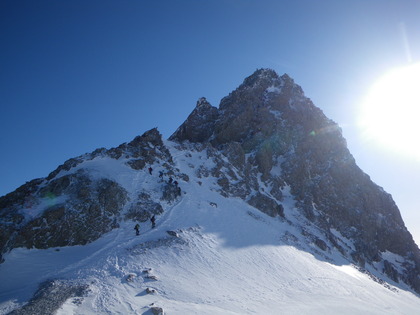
[(221, 256)]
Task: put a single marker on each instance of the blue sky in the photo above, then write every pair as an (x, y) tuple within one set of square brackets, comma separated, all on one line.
[(78, 75)]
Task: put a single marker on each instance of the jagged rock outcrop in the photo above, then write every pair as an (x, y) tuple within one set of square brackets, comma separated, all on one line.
[(50, 296), (142, 208), (157, 310), (268, 127), (59, 210), (171, 192), (200, 123), (265, 143), (68, 221)]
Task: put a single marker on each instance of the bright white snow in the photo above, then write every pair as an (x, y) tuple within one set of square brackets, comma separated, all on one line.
[(229, 259)]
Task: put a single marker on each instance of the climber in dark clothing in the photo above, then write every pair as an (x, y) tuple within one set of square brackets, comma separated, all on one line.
[(150, 170), (137, 228), (153, 220)]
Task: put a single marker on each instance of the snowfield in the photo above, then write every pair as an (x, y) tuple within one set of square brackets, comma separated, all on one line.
[(222, 257)]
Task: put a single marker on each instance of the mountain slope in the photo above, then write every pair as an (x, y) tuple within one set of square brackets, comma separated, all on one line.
[(265, 206), (227, 258), (267, 124)]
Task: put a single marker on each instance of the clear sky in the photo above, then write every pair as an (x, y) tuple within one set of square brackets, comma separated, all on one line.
[(78, 75)]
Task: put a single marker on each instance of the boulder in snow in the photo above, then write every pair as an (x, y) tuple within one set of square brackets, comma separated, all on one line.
[(157, 310), (173, 233), (150, 291)]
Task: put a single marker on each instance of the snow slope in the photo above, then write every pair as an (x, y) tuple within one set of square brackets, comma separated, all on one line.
[(227, 258)]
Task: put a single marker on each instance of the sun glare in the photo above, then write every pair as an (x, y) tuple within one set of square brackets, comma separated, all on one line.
[(390, 113)]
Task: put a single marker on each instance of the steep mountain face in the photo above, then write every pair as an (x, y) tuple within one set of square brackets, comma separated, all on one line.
[(77, 203), (268, 127), (266, 144)]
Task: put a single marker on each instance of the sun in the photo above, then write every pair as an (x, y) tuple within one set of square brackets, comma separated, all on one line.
[(390, 114)]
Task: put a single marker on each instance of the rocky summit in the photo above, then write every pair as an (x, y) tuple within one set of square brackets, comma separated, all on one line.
[(269, 130), (266, 144)]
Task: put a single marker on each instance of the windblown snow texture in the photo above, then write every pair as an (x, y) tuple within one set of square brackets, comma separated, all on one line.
[(260, 208)]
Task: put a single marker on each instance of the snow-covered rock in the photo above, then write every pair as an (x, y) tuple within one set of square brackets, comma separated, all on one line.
[(259, 206)]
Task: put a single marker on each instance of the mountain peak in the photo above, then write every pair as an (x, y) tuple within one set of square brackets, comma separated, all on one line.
[(268, 118), (153, 136), (199, 125), (286, 77), (252, 110), (202, 102), (263, 73), (248, 110), (260, 77), (266, 167), (268, 76)]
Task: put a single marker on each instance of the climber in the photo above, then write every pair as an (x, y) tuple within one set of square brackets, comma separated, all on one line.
[(176, 183), (150, 170), (153, 220), (137, 228)]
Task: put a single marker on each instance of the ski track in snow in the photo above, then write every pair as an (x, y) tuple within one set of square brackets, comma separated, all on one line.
[(229, 259)]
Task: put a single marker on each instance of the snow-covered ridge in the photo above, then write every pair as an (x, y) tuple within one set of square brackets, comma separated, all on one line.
[(223, 257), (258, 198)]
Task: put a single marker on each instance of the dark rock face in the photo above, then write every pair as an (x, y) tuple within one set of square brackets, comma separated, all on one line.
[(50, 296), (268, 128), (266, 142), (266, 204), (157, 310), (73, 202), (200, 123), (72, 207), (147, 149), (171, 192), (143, 208)]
